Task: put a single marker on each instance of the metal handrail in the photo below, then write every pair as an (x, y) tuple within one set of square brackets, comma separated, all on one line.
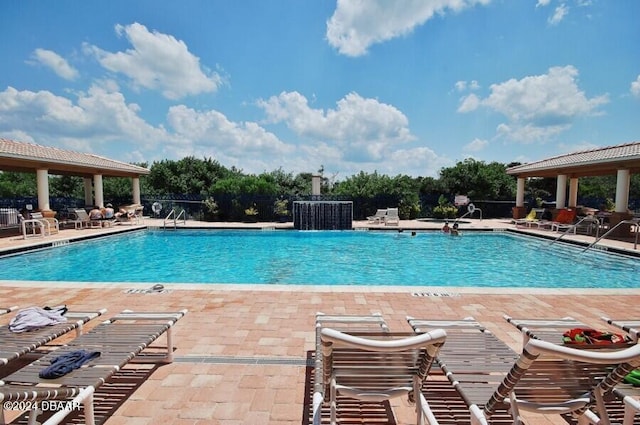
[(634, 222), (571, 228), (182, 214), (171, 213), (175, 218), (470, 210)]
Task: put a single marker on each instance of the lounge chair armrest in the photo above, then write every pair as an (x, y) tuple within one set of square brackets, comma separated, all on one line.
[(318, 399), (417, 341), (132, 315)]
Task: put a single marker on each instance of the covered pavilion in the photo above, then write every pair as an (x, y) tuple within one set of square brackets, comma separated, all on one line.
[(44, 161), (620, 160)]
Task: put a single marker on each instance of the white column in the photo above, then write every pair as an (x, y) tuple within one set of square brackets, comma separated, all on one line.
[(520, 192), (97, 190), (622, 191), (88, 191), (135, 187), (561, 191), (316, 181), (573, 192), (42, 179)]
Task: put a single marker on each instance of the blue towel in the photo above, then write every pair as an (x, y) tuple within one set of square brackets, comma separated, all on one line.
[(65, 363)]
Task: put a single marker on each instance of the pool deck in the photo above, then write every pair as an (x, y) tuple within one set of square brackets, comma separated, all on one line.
[(242, 349)]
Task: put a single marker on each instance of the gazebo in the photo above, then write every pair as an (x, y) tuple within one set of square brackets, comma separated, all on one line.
[(30, 157), (620, 160)]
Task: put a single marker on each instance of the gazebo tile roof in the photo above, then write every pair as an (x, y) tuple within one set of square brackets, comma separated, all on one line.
[(35, 152), (618, 153)]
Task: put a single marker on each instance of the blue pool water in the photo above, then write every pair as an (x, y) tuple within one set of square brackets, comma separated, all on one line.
[(329, 258)]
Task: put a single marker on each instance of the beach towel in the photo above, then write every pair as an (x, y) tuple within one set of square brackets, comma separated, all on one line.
[(591, 336), (32, 318), (66, 363)]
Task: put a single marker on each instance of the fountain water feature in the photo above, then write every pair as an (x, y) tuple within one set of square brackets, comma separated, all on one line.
[(323, 215)]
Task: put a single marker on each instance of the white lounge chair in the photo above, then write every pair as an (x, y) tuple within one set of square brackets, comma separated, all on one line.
[(378, 217), (119, 340), (376, 368), (392, 217), (625, 396), (545, 378), (51, 224), (373, 323)]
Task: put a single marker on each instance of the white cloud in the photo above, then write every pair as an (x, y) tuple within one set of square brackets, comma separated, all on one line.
[(529, 133), (467, 85), (56, 63), (469, 103), (357, 24), (98, 119), (213, 132), (538, 107), (364, 129), (635, 87), (558, 15), (158, 62), (542, 3), (476, 145)]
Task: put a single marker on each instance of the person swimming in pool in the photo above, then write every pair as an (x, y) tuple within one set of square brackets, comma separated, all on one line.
[(446, 228), (454, 230)]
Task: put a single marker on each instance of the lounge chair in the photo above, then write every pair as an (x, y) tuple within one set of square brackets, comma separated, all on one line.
[(375, 367), (5, 310), (51, 224), (624, 396), (15, 345), (475, 362), (392, 217), (629, 394), (38, 225), (119, 340), (81, 219), (565, 220), (373, 323), (130, 214), (378, 217), (545, 378), (534, 216), (630, 326)]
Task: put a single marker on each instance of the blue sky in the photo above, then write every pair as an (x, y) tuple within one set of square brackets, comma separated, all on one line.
[(397, 86)]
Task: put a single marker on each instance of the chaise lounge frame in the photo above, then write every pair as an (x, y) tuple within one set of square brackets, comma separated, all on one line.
[(545, 378), (373, 323), (370, 363), (119, 340), (16, 345), (5, 310), (551, 330)]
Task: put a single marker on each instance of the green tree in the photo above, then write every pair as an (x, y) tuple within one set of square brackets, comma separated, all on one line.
[(14, 185), (66, 186), (189, 175), (479, 180)]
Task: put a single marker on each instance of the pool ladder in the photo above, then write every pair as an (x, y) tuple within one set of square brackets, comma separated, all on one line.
[(172, 217), (634, 222)]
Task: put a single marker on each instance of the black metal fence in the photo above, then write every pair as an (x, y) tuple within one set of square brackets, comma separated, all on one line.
[(233, 207)]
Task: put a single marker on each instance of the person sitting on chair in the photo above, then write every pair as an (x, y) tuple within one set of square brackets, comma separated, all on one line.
[(108, 211), (95, 214)]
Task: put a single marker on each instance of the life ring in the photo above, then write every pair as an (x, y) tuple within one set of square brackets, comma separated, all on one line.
[(156, 207), (471, 208)]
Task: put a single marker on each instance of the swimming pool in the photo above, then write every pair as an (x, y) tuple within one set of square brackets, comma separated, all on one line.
[(482, 259)]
